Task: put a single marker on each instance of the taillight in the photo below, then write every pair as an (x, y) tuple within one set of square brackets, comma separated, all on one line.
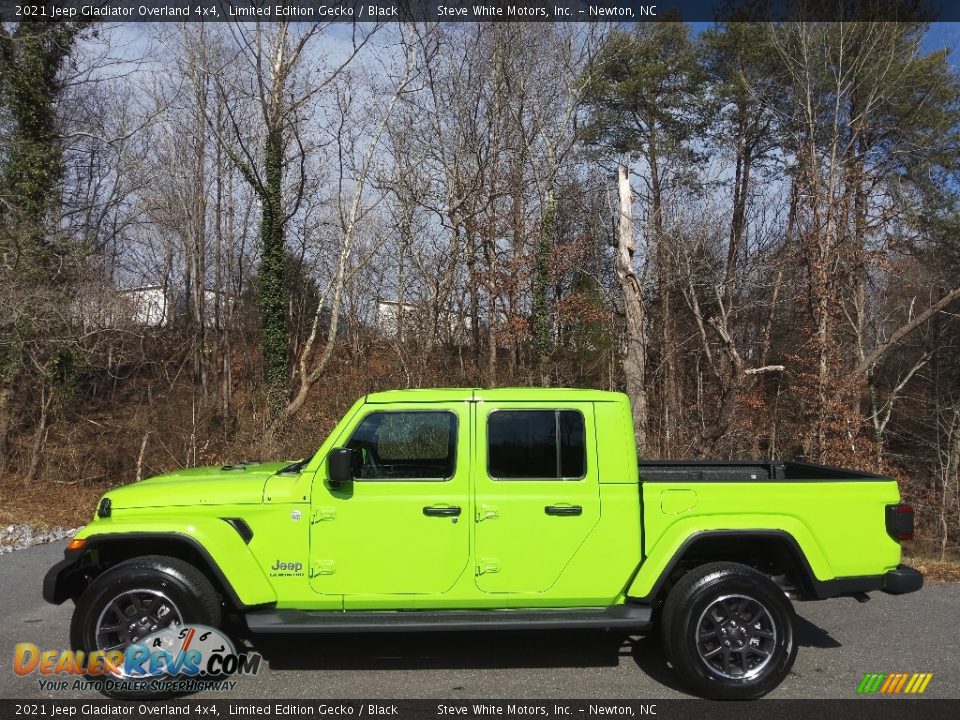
[(900, 522)]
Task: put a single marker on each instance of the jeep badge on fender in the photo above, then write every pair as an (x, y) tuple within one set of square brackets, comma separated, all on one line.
[(292, 566)]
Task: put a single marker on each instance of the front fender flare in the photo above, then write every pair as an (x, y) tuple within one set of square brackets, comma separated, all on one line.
[(224, 551)]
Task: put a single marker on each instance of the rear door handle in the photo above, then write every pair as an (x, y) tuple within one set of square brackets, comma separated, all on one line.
[(563, 510), (442, 511)]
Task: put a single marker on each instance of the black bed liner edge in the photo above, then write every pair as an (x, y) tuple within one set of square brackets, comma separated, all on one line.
[(747, 471)]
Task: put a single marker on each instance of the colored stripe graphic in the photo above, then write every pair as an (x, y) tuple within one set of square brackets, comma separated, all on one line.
[(889, 682), (894, 683), (870, 683)]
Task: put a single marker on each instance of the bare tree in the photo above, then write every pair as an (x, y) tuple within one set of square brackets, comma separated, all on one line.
[(276, 61), (356, 163), (635, 356)]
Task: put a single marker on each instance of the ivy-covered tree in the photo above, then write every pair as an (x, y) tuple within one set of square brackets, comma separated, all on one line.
[(31, 59), (32, 259)]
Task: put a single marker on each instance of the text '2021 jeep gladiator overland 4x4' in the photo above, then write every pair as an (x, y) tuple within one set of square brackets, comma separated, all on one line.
[(494, 509)]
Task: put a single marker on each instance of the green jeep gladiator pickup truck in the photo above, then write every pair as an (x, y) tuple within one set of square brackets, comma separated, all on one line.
[(471, 509)]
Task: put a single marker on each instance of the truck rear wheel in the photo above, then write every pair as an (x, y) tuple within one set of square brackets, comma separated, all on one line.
[(728, 630), (139, 597)]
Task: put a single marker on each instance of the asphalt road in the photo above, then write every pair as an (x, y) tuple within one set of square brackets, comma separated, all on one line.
[(839, 639)]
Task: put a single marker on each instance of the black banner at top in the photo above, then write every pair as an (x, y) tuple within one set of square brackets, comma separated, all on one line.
[(367, 11)]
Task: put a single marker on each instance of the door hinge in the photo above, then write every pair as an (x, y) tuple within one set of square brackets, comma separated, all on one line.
[(487, 512), (487, 565), (323, 513), (323, 567)]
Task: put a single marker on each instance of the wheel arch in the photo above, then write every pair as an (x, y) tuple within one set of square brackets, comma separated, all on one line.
[(776, 553), (242, 586)]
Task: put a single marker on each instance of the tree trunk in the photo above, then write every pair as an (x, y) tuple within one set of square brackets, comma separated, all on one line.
[(473, 289), (635, 356), (6, 422), (541, 285), (668, 389), (41, 432), (273, 292), (741, 187), (490, 283), (198, 250)]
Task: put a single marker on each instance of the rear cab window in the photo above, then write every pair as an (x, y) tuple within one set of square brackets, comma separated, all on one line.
[(536, 445)]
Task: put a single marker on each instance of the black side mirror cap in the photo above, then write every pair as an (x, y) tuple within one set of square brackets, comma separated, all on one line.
[(340, 467)]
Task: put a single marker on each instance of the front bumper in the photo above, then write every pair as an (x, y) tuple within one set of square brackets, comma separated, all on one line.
[(64, 579), (902, 580)]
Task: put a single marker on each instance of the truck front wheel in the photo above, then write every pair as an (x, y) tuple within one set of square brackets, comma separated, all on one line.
[(729, 632), (137, 598)]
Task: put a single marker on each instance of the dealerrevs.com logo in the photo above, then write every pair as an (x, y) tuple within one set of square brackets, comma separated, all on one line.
[(178, 659)]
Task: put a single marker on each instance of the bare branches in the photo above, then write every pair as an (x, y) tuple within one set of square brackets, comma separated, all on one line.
[(248, 212), (867, 363), (308, 374)]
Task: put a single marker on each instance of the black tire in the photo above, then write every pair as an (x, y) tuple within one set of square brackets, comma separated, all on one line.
[(183, 588), (728, 631), (667, 612)]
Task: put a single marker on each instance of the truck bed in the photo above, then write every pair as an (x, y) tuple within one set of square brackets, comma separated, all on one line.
[(744, 471)]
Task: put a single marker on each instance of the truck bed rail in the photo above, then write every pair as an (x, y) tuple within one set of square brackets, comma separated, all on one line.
[(745, 471)]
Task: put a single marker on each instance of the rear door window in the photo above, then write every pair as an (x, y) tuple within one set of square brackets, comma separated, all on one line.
[(536, 445)]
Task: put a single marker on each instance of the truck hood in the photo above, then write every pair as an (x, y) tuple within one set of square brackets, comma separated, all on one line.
[(218, 485)]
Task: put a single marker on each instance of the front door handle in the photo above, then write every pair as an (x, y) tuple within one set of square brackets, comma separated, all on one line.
[(442, 511), (563, 510)]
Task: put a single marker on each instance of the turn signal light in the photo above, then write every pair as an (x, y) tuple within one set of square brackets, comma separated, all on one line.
[(76, 544)]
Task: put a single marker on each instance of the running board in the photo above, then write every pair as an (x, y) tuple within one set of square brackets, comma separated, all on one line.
[(633, 617)]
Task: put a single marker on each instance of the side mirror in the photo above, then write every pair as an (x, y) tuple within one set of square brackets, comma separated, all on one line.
[(340, 467)]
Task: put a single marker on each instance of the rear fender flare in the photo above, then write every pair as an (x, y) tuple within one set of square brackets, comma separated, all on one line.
[(670, 549)]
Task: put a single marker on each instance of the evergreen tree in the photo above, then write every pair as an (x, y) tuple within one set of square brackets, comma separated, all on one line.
[(645, 103)]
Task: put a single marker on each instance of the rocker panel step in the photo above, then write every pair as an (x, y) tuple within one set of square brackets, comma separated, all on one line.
[(636, 617)]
